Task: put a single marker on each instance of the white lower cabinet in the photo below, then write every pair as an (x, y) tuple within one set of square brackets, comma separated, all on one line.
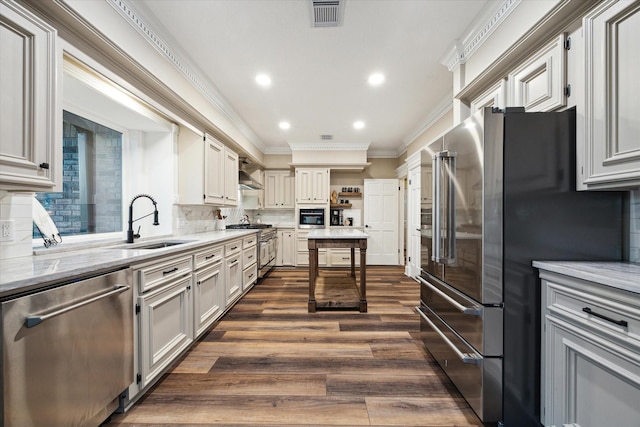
[(591, 354), (249, 262), (166, 326), (286, 252), (233, 268), (208, 295)]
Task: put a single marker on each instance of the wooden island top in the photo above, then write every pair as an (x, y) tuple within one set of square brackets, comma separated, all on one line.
[(338, 238)]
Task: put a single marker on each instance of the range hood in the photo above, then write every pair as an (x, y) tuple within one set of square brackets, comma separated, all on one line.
[(244, 179)]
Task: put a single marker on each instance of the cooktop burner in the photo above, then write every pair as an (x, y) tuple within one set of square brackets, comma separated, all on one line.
[(250, 226)]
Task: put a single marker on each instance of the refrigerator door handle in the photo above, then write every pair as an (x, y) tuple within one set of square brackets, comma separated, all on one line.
[(473, 311), (444, 212), (469, 358)]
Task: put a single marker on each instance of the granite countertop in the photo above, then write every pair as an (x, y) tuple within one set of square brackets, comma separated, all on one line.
[(26, 274), (620, 275), (337, 233)]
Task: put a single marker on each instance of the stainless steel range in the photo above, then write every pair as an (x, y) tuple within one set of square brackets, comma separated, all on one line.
[(267, 245)]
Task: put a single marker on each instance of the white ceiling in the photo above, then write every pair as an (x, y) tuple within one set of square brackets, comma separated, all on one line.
[(319, 75)]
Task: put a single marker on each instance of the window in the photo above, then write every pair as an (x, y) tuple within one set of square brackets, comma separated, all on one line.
[(91, 200)]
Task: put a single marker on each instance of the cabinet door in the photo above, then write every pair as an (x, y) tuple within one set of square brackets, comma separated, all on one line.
[(214, 171), (320, 186), (230, 178), (208, 297), (495, 96), (304, 186), (589, 382), (538, 84), (30, 110), (288, 248), (288, 192), (611, 151), (233, 283), (166, 320)]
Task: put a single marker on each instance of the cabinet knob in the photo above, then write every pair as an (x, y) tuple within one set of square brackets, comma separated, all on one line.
[(44, 165)]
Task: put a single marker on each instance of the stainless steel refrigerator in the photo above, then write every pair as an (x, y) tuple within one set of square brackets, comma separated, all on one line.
[(503, 194)]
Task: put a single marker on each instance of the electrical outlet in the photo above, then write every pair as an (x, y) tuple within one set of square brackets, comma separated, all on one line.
[(7, 230)]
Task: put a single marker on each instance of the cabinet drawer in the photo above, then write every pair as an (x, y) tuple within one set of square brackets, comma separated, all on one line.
[(249, 241), (249, 256), (606, 310), (157, 274), (342, 257), (208, 257), (233, 247), (249, 276)]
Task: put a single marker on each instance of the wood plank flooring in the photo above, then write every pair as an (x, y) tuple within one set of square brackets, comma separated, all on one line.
[(268, 362)]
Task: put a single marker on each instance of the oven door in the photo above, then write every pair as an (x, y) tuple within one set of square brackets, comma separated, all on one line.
[(264, 253)]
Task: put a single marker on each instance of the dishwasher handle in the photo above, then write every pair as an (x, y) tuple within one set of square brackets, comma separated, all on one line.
[(34, 320)]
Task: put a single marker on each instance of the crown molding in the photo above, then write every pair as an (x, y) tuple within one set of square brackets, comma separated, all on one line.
[(443, 107), (329, 146), (460, 52), (143, 25)]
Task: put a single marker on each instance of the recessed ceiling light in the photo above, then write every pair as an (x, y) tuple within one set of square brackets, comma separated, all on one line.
[(284, 125), (376, 79), (263, 80), (358, 125)]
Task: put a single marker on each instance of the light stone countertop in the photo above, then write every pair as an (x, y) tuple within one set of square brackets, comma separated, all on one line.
[(29, 273), (334, 233), (620, 275)]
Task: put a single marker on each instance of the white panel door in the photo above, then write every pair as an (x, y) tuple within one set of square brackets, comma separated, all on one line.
[(381, 220)]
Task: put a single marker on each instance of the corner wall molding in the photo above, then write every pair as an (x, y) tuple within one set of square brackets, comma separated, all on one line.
[(137, 21), (462, 51)]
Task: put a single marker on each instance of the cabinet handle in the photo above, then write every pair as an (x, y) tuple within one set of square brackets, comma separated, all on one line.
[(250, 256), (209, 257), (234, 248), (251, 275), (622, 323), (44, 165), (173, 270)]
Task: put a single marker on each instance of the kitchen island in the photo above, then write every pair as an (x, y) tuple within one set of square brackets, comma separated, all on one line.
[(336, 288)]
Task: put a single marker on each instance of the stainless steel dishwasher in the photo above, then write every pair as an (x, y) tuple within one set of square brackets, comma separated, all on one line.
[(67, 352)]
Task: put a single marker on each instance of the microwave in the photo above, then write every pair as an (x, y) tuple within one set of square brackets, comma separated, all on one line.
[(311, 218)]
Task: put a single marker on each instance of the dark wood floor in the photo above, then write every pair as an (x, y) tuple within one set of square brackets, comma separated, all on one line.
[(270, 363)]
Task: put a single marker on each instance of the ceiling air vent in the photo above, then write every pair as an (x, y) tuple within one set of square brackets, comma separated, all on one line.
[(326, 13), (326, 137)]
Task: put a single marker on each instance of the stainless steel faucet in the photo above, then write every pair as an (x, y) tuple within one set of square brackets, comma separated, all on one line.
[(130, 235)]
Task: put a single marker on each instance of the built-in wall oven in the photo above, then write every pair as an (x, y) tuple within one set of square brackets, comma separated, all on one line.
[(311, 218)]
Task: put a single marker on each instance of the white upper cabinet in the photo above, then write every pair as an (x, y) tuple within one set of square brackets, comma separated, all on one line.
[(208, 171), (279, 190), (30, 109), (610, 149), (230, 177), (312, 185), (495, 96), (538, 84)]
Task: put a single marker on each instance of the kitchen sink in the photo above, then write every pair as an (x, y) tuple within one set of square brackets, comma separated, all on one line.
[(152, 245)]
